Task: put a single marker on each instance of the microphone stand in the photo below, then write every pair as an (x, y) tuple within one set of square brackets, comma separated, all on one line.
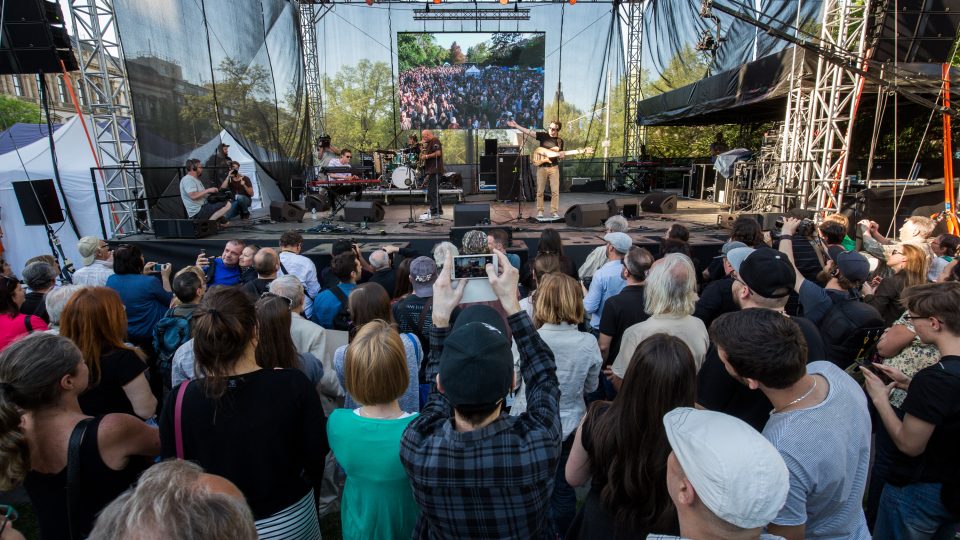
[(517, 165)]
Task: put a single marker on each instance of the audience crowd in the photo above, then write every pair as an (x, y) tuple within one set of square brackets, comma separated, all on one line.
[(461, 97), (799, 385)]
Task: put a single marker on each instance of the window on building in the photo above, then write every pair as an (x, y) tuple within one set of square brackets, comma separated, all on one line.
[(17, 86), (62, 89), (81, 97)]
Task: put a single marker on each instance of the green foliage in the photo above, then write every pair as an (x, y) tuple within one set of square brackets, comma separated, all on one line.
[(478, 54), (359, 104), (415, 50), (13, 110)]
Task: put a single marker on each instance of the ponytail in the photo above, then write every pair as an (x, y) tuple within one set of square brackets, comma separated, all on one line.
[(223, 326), (30, 372)]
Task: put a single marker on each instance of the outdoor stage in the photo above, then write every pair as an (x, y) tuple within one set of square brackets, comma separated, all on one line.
[(701, 218)]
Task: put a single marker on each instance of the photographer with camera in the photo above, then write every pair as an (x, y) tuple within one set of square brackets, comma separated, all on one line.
[(808, 255), (242, 188)]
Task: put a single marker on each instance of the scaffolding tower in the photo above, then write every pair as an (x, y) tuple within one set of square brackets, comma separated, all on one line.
[(311, 11), (633, 133), (103, 81)]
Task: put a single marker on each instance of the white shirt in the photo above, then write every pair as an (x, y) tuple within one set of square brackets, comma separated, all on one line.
[(302, 267), (578, 359), (95, 274), (190, 184), (335, 162), (688, 328)]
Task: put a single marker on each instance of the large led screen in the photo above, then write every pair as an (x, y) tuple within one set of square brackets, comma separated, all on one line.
[(475, 80)]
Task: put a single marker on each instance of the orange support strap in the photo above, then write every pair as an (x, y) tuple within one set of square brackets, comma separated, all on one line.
[(950, 197)]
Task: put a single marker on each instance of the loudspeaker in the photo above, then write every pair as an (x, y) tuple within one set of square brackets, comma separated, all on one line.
[(488, 164), (877, 204), (316, 202), (630, 208), (357, 211), (468, 215), (38, 198), (659, 203), (509, 176), (35, 38), (184, 228), (286, 211), (489, 147), (456, 233), (586, 215)]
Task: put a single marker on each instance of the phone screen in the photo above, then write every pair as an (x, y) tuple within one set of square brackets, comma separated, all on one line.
[(471, 266)]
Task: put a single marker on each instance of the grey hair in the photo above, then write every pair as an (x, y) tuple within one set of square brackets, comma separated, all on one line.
[(379, 259), (440, 252), (56, 299), (39, 275), (638, 261), (290, 288), (617, 224), (170, 501), (671, 286)]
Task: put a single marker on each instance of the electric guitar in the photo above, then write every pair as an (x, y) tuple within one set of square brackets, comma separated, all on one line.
[(542, 156)]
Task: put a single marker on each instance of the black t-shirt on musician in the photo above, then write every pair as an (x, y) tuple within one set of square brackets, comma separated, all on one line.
[(621, 311), (718, 391), (433, 165), (932, 398), (549, 142)]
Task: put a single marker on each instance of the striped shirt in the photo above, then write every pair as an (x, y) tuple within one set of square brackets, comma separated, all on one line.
[(827, 451)]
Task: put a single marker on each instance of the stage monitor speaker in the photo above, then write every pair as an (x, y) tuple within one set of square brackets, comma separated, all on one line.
[(316, 202), (456, 233), (286, 211), (489, 147), (35, 38), (488, 164), (38, 199), (357, 211), (510, 170), (587, 215), (468, 215), (877, 204), (629, 208), (184, 228), (659, 203)]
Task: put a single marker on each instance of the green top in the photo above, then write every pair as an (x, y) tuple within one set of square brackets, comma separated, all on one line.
[(848, 243), (377, 498)]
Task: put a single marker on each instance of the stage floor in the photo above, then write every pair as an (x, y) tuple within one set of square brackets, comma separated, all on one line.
[(699, 216)]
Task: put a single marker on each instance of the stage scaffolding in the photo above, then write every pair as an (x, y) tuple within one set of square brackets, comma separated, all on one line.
[(312, 11), (633, 132), (103, 78)]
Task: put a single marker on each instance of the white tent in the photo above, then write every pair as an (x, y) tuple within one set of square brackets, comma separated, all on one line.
[(472, 71), (75, 159)]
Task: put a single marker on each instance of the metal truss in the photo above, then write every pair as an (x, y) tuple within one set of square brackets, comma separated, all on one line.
[(103, 78), (461, 14), (310, 13), (633, 133)]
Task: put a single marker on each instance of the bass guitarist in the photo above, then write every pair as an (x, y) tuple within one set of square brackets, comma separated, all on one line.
[(548, 170)]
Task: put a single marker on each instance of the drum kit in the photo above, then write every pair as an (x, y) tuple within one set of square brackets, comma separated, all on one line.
[(398, 169)]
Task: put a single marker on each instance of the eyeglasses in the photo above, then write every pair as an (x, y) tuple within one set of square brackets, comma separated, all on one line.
[(896, 252), (269, 294)]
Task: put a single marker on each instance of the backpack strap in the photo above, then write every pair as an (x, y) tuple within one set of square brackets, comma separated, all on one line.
[(287, 273), (177, 419), (73, 473), (339, 294), (27, 324)]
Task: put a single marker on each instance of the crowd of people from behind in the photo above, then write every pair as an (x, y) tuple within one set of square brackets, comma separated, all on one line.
[(470, 97), (788, 387)]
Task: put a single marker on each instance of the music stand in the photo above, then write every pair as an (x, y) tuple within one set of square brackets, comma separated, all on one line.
[(39, 205)]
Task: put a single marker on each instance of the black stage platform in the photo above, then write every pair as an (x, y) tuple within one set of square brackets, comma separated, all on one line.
[(647, 229)]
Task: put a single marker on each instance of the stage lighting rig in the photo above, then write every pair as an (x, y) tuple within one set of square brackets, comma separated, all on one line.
[(709, 43), (470, 14)]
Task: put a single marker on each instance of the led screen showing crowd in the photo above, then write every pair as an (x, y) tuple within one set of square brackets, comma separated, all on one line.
[(476, 80)]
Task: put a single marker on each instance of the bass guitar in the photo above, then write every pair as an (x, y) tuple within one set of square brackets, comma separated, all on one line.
[(542, 156)]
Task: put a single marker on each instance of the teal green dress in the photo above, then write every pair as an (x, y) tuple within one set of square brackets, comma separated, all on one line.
[(377, 498), (848, 243)]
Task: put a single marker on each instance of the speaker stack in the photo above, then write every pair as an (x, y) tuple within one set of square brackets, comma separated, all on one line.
[(510, 169), (469, 215), (587, 215), (358, 211), (286, 211), (35, 38)]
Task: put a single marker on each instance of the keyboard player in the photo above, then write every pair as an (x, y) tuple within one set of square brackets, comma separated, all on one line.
[(334, 191)]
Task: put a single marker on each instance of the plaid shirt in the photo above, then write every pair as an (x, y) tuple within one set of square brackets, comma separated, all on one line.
[(495, 482)]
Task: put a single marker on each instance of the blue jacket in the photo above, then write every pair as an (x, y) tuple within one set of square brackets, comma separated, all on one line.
[(145, 301)]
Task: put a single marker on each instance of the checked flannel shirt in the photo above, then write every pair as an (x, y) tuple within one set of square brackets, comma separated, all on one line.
[(495, 482)]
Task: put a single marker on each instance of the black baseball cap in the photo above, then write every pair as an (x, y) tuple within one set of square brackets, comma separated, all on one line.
[(476, 367), (768, 273)]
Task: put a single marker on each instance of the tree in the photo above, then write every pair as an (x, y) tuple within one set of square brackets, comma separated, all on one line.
[(13, 110), (359, 104), (478, 54), (456, 55), (415, 50)]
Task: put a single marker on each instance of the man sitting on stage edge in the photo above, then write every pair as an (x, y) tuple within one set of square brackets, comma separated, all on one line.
[(194, 195), (225, 269), (550, 171)]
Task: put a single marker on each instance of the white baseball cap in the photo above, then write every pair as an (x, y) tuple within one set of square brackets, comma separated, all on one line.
[(736, 472)]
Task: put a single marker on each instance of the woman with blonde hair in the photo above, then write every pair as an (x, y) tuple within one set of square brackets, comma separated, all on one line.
[(41, 377), (377, 499), (909, 264), (94, 319), (558, 309), (369, 302)]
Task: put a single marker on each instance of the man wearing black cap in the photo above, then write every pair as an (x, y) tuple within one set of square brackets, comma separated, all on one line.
[(475, 472), (218, 164), (763, 279)]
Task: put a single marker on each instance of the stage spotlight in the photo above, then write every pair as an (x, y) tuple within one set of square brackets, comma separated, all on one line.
[(369, 2), (573, 2), (504, 2), (436, 1)]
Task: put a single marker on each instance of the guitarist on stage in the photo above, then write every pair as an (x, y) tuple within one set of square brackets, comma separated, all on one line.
[(549, 170)]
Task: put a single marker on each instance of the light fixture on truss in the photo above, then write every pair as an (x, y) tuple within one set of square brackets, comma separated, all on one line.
[(471, 14)]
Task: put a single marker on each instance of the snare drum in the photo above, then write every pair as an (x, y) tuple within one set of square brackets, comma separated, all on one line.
[(402, 175)]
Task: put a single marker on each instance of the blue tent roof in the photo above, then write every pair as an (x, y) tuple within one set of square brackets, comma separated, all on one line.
[(20, 135)]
